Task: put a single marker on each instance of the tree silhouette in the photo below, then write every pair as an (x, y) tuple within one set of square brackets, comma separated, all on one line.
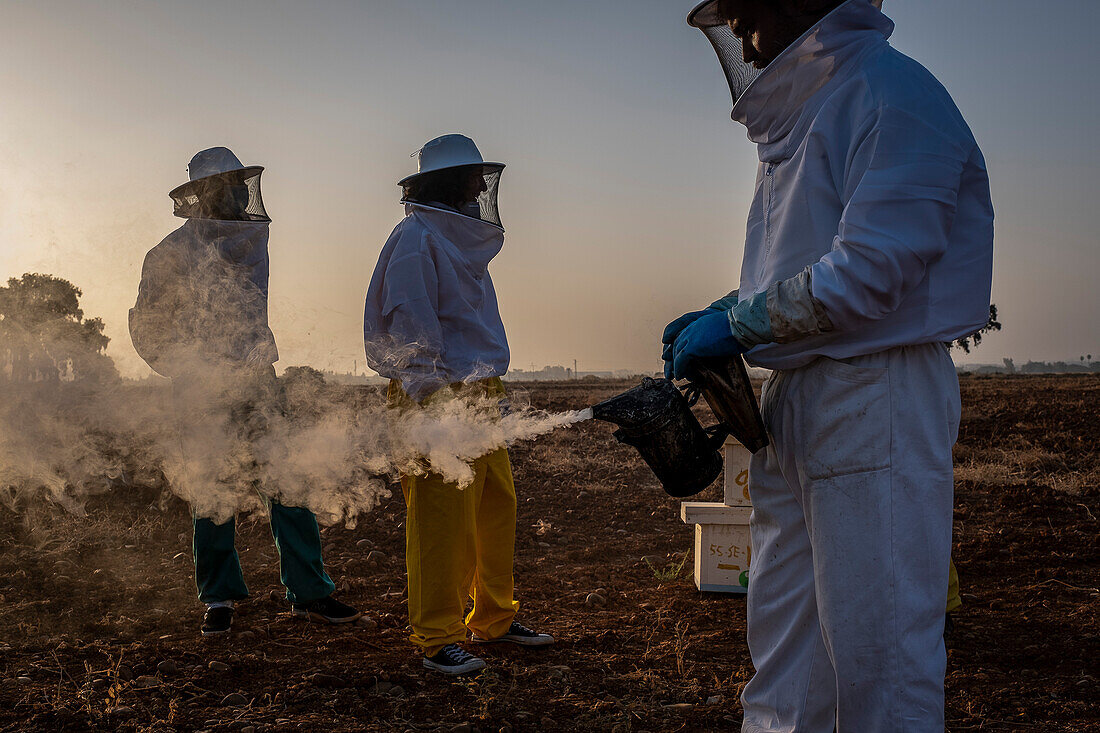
[(44, 336), (975, 339)]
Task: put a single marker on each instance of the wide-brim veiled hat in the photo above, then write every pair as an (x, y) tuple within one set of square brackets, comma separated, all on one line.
[(448, 151)]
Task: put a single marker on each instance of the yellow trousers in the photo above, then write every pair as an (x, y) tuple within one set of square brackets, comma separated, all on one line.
[(953, 599), (459, 544)]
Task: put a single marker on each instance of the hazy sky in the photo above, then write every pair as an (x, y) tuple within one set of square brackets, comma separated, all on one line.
[(627, 185)]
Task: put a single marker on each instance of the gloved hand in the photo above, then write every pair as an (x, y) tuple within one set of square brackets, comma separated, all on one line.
[(708, 336), (672, 330)]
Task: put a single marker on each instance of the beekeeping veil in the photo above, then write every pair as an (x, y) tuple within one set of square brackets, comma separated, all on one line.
[(453, 154), (707, 17), (221, 188)]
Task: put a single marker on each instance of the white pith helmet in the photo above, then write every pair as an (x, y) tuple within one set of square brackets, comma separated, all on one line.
[(211, 162), (214, 162), (448, 151), (210, 170)]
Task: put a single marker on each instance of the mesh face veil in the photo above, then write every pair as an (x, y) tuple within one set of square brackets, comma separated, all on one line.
[(448, 172), (739, 74), (485, 208), (230, 196), (729, 48), (446, 187)]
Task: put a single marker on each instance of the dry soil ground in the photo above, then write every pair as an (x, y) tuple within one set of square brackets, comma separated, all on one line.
[(98, 625)]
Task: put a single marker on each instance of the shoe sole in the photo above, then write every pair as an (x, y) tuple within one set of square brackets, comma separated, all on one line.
[(215, 633), (455, 671), (314, 616), (513, 640)]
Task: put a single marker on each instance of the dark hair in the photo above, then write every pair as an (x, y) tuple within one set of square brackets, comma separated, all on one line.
[(448, 186)]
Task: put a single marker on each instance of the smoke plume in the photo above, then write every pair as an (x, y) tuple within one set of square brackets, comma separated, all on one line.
[(333, 449)]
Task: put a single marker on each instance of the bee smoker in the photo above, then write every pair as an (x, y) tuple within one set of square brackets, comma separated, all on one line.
[(656, 419)]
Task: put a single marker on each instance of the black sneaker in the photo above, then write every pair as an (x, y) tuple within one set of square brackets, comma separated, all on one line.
[(217, 620), (518, 634), (327, 609), (453, 659)]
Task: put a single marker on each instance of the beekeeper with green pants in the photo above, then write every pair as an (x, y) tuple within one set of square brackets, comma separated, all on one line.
[(201, 320), (869, 246)]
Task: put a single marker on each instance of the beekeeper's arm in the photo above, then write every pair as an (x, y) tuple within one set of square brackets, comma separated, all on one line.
[(897, 221), (155, 317), (410, 311), (901, 192)]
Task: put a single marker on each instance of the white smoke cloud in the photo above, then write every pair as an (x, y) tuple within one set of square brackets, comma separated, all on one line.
[(328, 448)]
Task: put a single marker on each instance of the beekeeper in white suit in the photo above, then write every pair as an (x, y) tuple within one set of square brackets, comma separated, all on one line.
[(869, 245), (201, 319), (431, 324)]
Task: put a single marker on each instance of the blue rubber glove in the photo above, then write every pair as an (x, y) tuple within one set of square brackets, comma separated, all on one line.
[(709, 336), (672, 330)]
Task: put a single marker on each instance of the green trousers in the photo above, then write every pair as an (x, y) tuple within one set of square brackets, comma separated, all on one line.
[(218, 568)]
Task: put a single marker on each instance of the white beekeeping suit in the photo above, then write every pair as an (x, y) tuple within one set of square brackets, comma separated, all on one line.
[(202, 301), (431, 315), (868, 245)]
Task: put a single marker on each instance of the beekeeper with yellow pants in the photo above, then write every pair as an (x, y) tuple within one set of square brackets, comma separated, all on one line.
[(432, 325), (869, 246)]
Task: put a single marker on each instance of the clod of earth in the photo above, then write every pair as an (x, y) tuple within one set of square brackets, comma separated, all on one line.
[(320, 679)]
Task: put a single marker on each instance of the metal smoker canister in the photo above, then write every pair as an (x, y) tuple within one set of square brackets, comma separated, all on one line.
[(656, 419)]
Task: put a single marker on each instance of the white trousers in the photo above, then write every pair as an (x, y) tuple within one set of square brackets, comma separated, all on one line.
[(851, 540)]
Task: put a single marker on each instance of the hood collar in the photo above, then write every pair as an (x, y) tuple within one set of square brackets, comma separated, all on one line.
[(477, 241), (773, 103)]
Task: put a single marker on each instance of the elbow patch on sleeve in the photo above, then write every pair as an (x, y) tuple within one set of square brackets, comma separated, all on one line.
[(793, 310)]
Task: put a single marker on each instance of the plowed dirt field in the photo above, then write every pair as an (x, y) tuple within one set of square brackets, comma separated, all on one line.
[(99, 625)]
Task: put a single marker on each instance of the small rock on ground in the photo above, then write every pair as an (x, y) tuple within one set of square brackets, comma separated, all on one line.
[(320, 679), (234, 699), (594, 599), (217, 666)]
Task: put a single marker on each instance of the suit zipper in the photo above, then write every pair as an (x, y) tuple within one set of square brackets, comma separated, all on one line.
[(769, 191)]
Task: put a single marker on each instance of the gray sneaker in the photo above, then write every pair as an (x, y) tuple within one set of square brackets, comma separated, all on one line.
[(518, 634), (453, 659)]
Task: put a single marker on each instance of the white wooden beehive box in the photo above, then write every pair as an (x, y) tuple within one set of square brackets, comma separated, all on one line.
[(722, 548), (735, 489)]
